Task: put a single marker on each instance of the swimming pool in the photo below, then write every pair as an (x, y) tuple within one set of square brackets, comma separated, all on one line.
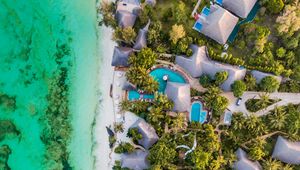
[(197, 113), (158, 75), (173, 76), (134, 95)]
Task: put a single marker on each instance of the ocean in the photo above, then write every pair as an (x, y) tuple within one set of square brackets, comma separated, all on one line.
[(30, 33)]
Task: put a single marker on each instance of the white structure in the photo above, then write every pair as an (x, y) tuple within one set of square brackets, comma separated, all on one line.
[(258, 75), (199, 63), (241, 8), (286, 151), (180, 94), (136, 160), (243, 163), (218, 24), (127, 11), (148, 132)]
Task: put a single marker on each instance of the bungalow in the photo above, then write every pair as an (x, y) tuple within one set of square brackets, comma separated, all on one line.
[(258, 75), (120, 56), (136, 160), (243, 163), (241, 8), (148, 132), (199, 63), (151, 2), (286, 151), (127, 11), (141, 40), (216, 23), (180, 94)]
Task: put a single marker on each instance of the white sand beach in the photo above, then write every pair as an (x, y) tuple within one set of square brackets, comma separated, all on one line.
[(104, 113)]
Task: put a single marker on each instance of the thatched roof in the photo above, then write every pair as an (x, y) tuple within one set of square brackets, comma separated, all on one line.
[(243, 163), (199, 63), (120, 56), (242, 8), (286, 151), (260, 75), (148, 132), (127, 11), (219, 24), (180, 94), (136, 160), (141, 40)]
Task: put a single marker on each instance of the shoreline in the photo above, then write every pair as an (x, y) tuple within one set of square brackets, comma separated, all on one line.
[(105, 112), (83, 89)]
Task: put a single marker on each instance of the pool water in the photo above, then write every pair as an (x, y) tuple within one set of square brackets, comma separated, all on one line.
[(227, 118), (249, 18), (197, 113), (134, 95), (158, 75), (173, 76)]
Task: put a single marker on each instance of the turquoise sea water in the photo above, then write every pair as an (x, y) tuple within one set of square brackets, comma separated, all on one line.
[(30, 31)]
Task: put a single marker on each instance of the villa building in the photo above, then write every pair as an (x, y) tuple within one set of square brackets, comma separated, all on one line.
[(127, 12), (141, 40), (199, 63), (216, 23), (150, 2), (243, 163), (148, 132), (241, 8), (121, 56), (286, 151), (180, 94), (136, 160), (258, 75)]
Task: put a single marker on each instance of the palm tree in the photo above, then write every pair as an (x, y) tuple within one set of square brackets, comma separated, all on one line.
[(287, 167), (238, 121), (264, 100), (178, 122), (271, 164), (278, 118), (155, 115)]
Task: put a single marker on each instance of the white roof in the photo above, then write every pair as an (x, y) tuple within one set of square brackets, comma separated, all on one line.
[(136, 160), (199, 63), (286, 151), (260, 75), (241, 8), (243, 163), (148, 132), (219, 24), (180, 94)]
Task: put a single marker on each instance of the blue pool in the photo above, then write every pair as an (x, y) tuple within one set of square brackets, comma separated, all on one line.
[(134, 95), (205, 11), (197, 26), (173, 76), (158, 74), (197, 113)]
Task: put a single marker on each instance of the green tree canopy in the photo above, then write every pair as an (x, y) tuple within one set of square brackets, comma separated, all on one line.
[(162, 153), (238, 88), (221, 77), (269, 84), (146, 58)]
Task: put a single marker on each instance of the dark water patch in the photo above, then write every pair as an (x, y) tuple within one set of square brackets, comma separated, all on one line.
[(4, 155), (7, 128), (8, 102)]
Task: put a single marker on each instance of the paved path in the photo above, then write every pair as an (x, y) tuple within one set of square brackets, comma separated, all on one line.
[(286, 98)]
